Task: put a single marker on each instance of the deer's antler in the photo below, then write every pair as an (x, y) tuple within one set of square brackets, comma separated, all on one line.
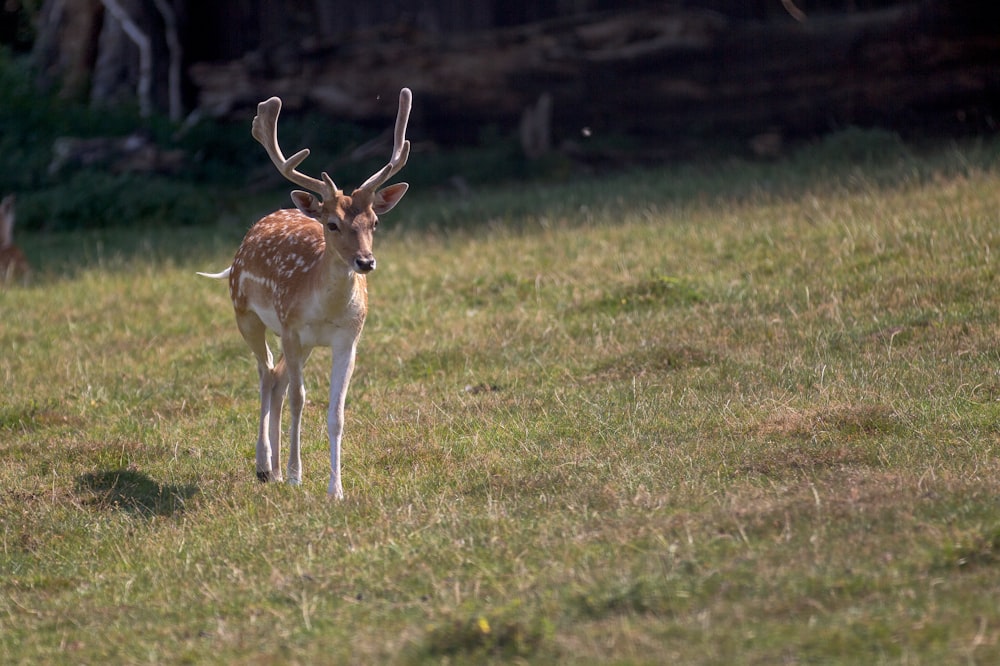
[(400, 147), (265, 130)]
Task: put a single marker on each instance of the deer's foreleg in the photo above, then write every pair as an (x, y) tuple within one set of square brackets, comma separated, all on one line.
[(344, 350)]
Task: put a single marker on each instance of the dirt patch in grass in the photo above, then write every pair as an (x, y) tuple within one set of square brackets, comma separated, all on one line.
[(654, 292), (35, 415), (848, 490), (654, 360), (844, 419), (791, 441), (482, 637), (781, 460)]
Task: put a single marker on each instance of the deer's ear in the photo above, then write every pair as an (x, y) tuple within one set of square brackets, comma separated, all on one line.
[(388, 197), (307, 203)]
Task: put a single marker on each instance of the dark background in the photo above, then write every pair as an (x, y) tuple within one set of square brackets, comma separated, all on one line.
[(654, 70), (143, 106)]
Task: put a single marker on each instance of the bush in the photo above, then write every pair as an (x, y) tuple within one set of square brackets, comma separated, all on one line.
[(855, 146), (30, 121), (96, 199)]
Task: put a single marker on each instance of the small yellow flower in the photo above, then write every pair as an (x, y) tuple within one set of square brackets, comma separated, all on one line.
[(484, 625)]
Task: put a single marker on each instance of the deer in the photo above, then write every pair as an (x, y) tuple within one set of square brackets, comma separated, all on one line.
[(302, 273), (13, 264)]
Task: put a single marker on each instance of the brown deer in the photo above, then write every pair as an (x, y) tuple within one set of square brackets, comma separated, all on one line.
[(13, 264), (302, 274)]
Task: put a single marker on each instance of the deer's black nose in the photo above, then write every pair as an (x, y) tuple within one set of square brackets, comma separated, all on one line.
[(365, 264)]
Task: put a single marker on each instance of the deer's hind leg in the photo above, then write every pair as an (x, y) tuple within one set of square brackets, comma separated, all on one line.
[(273, 382), (293, 358)]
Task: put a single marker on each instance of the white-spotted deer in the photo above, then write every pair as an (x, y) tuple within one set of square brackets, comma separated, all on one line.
[(13, 264), (301, 273)]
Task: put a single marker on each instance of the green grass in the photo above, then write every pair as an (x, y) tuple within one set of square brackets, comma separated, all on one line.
[(748, 414)]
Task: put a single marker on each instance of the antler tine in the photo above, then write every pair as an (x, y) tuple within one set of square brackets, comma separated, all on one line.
[(400, 147), (265, 130)]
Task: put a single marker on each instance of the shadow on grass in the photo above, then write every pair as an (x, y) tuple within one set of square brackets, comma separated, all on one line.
[(134, 492)]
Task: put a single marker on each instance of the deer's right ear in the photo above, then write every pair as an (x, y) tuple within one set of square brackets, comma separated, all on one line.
[(307, 203), (387, 198)]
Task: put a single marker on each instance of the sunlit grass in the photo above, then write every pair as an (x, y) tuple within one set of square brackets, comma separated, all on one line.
[(683, 416)]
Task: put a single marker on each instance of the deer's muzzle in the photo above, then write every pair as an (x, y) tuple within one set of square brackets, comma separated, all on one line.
[(364, 263)]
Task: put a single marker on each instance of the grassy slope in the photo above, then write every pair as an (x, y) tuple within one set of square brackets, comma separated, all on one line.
[(693, 416)]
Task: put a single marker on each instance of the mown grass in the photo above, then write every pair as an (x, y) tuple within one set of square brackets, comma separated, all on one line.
[(743, 414)]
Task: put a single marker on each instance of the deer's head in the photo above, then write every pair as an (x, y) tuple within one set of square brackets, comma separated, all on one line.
[(349, 221)]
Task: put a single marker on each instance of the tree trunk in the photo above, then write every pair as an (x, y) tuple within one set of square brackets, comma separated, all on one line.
[(66, 44), (125, 50), (124, 64)]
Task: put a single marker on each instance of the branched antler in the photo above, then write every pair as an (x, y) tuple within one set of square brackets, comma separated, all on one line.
[(265, 130), (400, 147)]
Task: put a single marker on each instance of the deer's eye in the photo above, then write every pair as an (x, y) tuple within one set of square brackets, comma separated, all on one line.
[(332, 226)]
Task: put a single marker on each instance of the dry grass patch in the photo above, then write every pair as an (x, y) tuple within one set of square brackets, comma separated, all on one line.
[(840, 421)]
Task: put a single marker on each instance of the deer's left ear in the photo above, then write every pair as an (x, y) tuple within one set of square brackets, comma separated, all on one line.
[(307, 203), (388, 197)]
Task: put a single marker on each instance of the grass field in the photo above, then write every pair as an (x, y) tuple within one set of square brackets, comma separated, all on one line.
[(703, 415)]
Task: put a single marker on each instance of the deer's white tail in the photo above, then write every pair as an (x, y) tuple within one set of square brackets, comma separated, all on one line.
[(217, 276)]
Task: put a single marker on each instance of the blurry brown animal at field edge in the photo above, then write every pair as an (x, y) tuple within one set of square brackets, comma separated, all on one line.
[(13, 264)]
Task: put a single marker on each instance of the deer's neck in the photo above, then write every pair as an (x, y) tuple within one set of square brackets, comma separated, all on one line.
[(336, 289)]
